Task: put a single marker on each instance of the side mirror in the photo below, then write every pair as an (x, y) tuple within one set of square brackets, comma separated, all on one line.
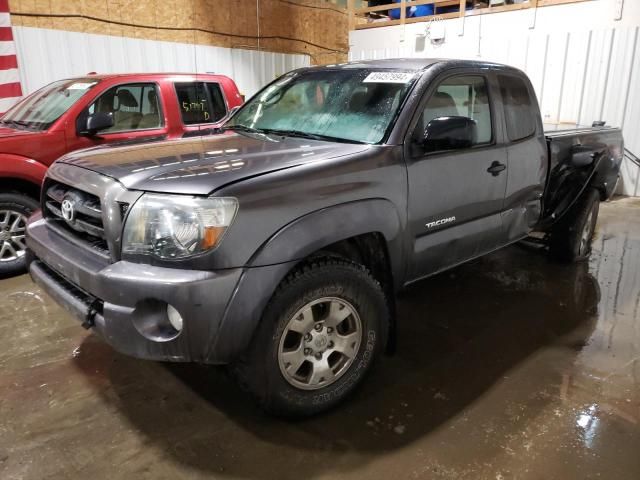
[(450, 133), (97, 122), (582, 155)]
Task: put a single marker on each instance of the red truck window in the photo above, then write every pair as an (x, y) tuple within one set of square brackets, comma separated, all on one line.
[(218, 105), (200, 102), (45, 106), (134, 106)]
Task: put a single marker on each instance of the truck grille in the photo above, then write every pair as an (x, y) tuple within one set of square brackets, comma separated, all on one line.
[(76, 213)]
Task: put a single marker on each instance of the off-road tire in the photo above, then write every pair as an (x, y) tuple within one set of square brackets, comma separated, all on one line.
[(23, 205), (259, 373), (572, 236)]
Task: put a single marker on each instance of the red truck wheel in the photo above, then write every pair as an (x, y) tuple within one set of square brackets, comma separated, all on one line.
[(15, 208)]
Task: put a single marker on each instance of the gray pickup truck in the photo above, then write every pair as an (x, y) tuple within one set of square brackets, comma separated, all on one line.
[(278, 247)]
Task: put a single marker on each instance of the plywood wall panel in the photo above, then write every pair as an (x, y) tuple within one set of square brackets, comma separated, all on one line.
[(300, 26)]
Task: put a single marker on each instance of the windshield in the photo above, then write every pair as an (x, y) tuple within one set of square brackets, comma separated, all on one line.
[(39, 110), (356, 105)]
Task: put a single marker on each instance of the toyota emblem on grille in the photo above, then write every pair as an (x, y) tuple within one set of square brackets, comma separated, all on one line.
[(68, 210)]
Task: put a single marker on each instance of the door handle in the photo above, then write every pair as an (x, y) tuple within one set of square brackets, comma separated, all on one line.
[(496, 168)]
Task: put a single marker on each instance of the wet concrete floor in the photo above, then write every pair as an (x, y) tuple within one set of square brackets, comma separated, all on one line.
[(508, 367)]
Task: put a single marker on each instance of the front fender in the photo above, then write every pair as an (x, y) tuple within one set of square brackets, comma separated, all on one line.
[(321, 228), (16, 166), (285, 249)]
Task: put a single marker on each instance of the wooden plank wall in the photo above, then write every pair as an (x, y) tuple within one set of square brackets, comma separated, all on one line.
[(315, 27)]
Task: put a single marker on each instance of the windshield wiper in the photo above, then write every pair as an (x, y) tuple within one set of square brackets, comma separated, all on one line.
[(20, 123), (312, 136), (288, 133), (241, 128)]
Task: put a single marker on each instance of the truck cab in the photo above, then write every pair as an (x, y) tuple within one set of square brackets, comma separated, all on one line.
[(90, 111)]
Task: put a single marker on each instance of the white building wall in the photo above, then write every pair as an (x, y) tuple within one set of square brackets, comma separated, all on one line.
[(46, 55), (583, 59)]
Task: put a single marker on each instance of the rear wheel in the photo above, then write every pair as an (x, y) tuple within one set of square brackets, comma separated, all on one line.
[(14, 210), (318, 337), (572, 236)]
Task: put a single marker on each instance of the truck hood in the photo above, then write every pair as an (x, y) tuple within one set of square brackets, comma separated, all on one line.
[(10, 133), (202, 165)]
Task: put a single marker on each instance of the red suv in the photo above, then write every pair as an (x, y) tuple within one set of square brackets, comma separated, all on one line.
[(93, 110)]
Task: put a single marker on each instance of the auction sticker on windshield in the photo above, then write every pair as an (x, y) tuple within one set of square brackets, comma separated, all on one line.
[(388, 77), (80, 85)]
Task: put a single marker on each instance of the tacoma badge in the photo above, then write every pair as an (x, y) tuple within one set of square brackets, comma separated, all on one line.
[(442, 221)]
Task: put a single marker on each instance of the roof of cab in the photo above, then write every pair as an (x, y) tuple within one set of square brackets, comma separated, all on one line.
[(104, 76), (412, 63)]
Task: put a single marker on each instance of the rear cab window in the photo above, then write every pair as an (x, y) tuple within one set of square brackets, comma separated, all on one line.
[(200, 102), (519, 112)]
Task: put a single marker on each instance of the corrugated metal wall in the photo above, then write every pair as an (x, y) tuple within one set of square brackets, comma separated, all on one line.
[(579, 76), (46, 55)]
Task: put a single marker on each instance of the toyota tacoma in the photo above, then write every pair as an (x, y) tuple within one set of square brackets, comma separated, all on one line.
[(277, 248)]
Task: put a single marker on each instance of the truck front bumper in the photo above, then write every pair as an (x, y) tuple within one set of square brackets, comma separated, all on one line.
[(126, 303)]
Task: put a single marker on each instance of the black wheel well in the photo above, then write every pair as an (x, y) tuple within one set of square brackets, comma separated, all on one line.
[(18, 185), (369, 250)]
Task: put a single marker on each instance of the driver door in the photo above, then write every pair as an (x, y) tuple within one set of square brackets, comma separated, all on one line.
[(456, 195), (137, 112)]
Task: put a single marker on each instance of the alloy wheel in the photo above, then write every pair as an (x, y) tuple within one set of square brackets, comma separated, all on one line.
[(13, 227), (319, 343)]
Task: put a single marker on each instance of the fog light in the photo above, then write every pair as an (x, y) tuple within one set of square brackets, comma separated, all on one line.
[(175, 319)]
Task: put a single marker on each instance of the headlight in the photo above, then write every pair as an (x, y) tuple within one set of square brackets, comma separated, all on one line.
[(176, 226)]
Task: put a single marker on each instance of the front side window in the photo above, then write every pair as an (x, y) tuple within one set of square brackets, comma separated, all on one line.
[(134, 106), (200, 102), (39, 110), (461, 96), (350, 105), (519, 112)]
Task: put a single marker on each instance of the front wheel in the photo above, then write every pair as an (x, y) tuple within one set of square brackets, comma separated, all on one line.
[(318, 337), (14, 210), (572, 237)]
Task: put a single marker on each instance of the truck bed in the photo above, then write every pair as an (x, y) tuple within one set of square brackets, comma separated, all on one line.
[(567, 181)]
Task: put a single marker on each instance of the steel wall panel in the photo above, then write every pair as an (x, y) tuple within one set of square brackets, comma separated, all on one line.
[(46, 55), (579, 75)]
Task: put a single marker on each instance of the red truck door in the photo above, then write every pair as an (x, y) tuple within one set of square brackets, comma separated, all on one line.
[(138, 111)]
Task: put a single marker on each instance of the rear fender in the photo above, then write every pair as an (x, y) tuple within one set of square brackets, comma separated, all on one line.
[(572, 182)]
